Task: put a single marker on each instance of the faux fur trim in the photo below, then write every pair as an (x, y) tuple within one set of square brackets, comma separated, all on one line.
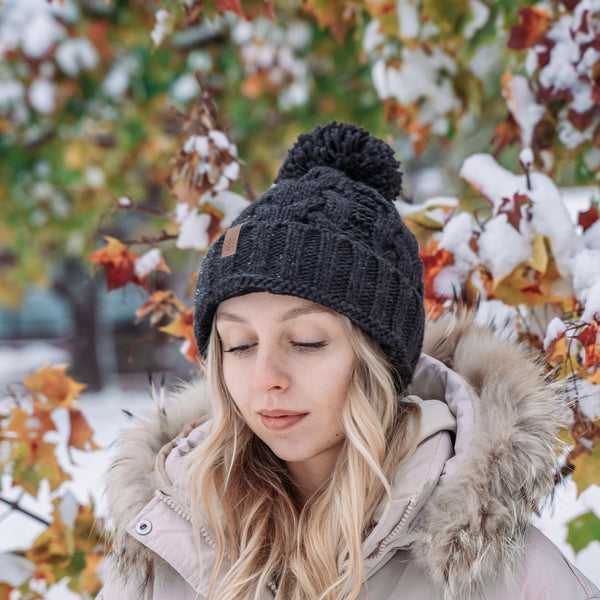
[(132, 480), (475, 523)]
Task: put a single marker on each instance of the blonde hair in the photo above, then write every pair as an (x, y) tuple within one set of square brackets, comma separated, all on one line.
[(263, 536)]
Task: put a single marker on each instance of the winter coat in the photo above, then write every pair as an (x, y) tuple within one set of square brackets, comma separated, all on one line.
[(457, 525)]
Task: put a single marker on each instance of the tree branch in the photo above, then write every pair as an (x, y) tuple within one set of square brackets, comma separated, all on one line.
[(14, 504)]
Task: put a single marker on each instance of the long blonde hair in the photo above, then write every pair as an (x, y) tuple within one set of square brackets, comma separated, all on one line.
[(263, 536)]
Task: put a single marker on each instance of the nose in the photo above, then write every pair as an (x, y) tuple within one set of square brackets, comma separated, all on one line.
[(269, 372)]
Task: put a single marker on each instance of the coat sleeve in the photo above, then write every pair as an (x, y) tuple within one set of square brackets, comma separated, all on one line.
[(546, 574)]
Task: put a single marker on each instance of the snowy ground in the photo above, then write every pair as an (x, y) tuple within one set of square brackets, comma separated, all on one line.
[(104, 411)]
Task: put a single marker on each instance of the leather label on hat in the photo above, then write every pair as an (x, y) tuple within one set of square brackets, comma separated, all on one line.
[(231, 240)]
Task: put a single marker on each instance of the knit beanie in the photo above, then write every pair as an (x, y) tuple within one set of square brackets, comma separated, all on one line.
[(327, 231)]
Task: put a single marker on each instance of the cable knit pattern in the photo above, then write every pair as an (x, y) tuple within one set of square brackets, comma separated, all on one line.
[(326, 232)]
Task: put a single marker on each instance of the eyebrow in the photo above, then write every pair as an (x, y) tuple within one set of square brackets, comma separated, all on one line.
[(294, 312)]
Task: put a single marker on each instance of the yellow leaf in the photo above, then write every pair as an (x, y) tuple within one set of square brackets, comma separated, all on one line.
[(336, 15), (587, 469), (539, 254), (55, 385)]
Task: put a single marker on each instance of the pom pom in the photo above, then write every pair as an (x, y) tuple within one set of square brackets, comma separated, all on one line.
[(347, 148)]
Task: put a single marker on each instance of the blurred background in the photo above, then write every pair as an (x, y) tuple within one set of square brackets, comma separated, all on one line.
[(133, 132)]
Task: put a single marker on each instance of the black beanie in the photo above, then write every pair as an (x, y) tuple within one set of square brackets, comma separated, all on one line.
[(327, 231)]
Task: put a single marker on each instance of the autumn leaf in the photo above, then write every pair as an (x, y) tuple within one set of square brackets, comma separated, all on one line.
[(582, 530), (557, 351), (515, 214), (588, 337), (534, 24), (30, 426), (588, 217), (81, 433), (32, 461), (587, 469), (336, 15), (161, 304), (56, 387), (233, 6), (118, 264), (183, 327)]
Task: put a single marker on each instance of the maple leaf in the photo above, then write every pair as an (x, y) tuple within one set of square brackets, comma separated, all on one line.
[(588, 338), (161, 304), (118, 264), (583, 530), (33, 461), (588, 217), (434, 260), (30, 426), (183, 327), (515, 214), (534, 24), (336, 15), (81, 433), (56, 387), (587, 469)]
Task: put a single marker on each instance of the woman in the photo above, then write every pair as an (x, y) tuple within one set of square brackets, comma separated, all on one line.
[(333, 453)]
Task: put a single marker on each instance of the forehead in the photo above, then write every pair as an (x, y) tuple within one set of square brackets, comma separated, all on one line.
[(276, 306)]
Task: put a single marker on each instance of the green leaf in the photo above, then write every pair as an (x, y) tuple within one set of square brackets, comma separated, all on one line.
[(587, 469), (583, 530)]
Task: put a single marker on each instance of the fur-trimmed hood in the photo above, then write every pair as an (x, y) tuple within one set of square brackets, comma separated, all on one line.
[(463, 523)]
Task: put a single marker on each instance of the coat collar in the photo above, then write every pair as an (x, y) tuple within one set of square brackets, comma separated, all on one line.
[(461, 503)]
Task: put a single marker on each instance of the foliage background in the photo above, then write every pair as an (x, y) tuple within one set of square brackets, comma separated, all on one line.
[(132, 133)]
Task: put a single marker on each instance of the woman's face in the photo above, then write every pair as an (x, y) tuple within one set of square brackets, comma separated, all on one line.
[(287, 364)]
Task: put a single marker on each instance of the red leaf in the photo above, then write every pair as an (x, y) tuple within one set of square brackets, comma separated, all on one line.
[(588, 217), (514, 215), (118, 263), (534, 23)]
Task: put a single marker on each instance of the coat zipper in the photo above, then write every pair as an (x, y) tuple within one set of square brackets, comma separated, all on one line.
[(386, 540), (178, 510)]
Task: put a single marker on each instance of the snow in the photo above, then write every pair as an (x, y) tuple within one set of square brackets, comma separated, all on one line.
[(185, 88), (420, 78), (522, 105), (197, 143), (75, 55), (11, 94), (586, 273), (592, 303), (555, 328), (526, 157), (160, 27), (501, 317), (480, 16), (408, 19), (41, 96), (146, 263), (193, 228), (219, 138), (550, 217), (124, 202), (229, 203)]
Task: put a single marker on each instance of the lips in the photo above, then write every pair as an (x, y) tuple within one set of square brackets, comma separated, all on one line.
[(277, 420)]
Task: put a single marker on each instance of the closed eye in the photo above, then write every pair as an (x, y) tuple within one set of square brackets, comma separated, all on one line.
[(240, 350), (309, 346)]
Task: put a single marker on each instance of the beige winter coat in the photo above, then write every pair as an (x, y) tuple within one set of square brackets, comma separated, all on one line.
[(457, 525)]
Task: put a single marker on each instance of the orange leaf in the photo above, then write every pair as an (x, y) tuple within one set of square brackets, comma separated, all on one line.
[(55, 385), (32, 426), (183, 327), (534, 24), (514, 214), (337, 15), (118, 263), (434, 260), (81, 433), (162, 303), (557, 350)]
